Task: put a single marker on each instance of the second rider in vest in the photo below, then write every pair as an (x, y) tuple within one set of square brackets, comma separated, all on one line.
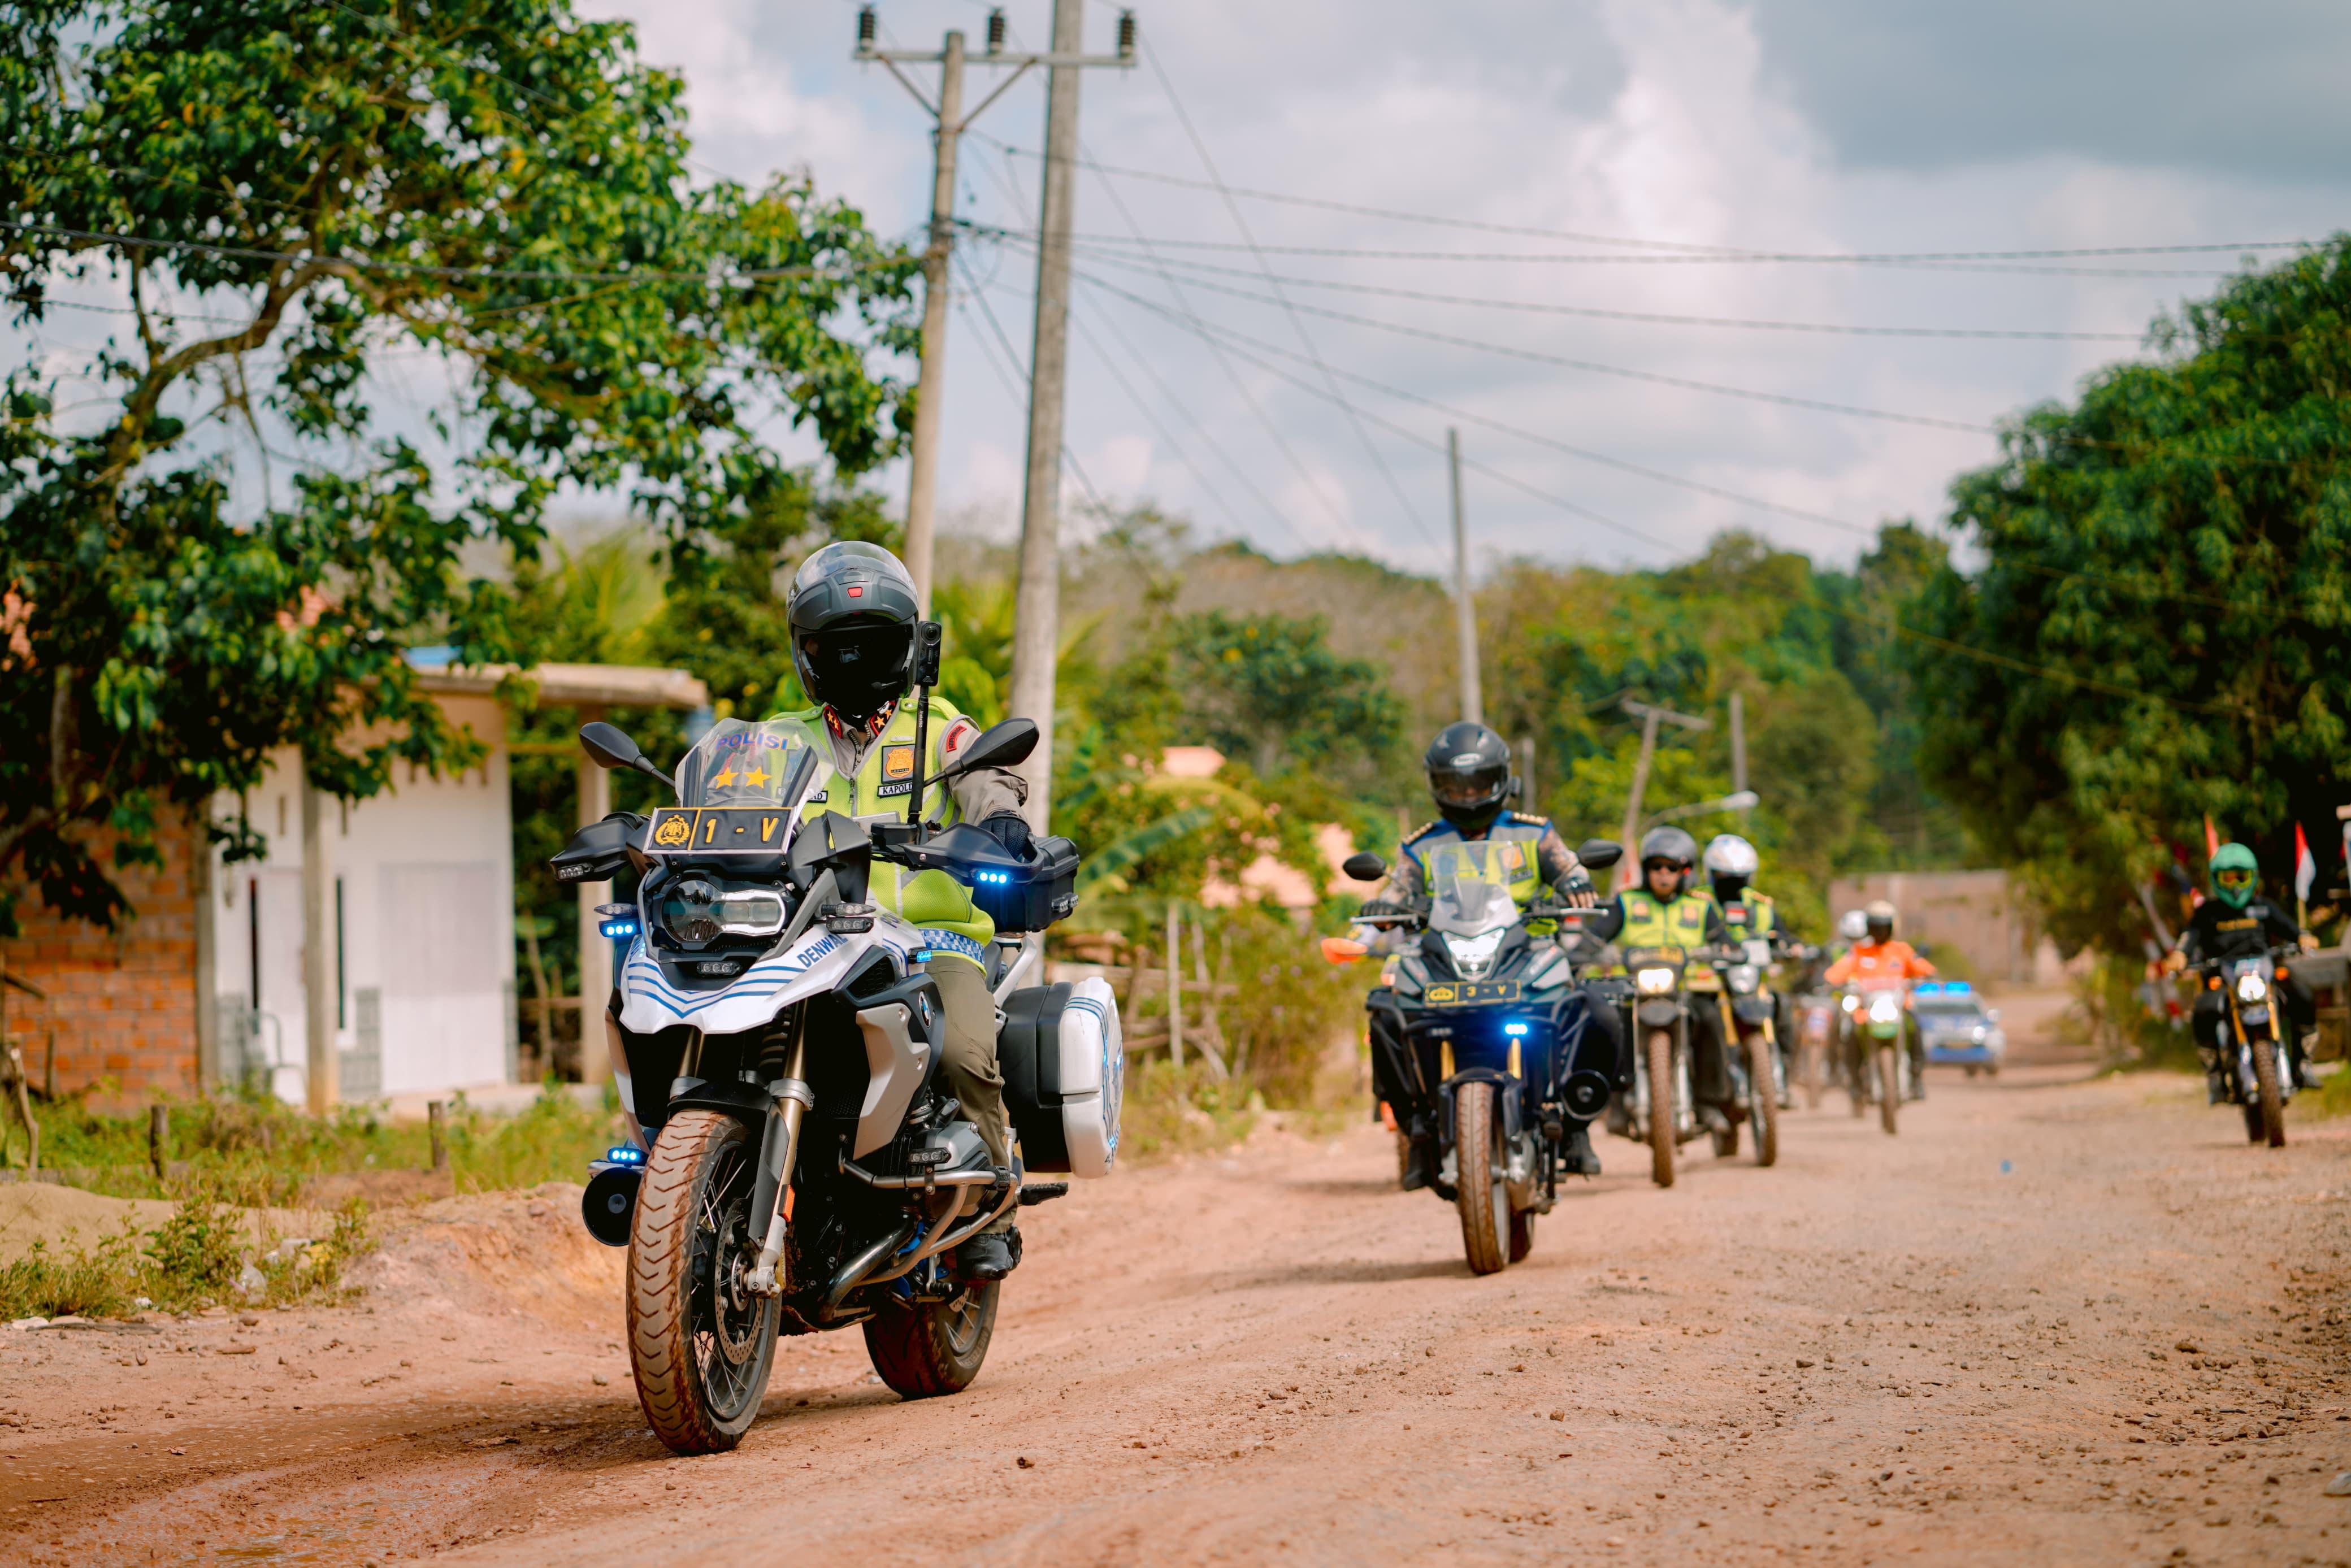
[(1470, 777), (1666, 911), (853, 613)]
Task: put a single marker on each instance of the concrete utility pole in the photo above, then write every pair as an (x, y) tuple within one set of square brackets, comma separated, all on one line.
[(1465, 608), (1738, 749), (321, 986), (1037, 609), (930, 393), (1628, 870)]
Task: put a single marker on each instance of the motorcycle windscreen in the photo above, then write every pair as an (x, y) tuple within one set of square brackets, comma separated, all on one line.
[(765, 764), (1469, 886)]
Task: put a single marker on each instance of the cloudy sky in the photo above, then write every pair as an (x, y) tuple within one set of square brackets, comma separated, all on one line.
[(1670, 266), (1275, 368)]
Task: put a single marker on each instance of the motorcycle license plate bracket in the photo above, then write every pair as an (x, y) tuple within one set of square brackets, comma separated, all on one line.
[(716, 829), (1471, 993)]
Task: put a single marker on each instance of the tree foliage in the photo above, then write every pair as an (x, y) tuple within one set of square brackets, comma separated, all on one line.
[(278, 195), (2161, 628)]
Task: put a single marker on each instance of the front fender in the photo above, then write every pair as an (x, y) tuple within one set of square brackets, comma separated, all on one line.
[(814, 965)]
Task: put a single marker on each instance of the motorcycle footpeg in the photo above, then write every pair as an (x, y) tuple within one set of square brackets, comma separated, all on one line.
[(1034, 1193)]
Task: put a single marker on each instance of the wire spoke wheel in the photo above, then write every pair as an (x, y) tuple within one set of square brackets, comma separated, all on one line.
[(2270, 1097), (1889, 1085), (1662, 1078), (1480, 1192), (1763, 1102), (702, 1346)]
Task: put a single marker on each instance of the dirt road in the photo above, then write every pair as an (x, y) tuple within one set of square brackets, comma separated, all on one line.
[(2054, 1321)]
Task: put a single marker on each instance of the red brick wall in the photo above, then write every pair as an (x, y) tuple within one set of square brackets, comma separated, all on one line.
[(121, 1005)]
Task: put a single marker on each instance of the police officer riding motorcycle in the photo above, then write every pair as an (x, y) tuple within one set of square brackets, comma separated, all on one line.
[(1470, 778), (1751, 921)]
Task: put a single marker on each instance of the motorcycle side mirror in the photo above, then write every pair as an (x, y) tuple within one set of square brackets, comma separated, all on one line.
[(1008, 745), (1600, 853), (1364, 866), (608, 746), (1342, 950)]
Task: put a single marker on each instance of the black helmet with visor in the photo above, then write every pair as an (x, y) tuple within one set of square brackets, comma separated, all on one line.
[(1470, 774), (1670, 848), (852, 610)]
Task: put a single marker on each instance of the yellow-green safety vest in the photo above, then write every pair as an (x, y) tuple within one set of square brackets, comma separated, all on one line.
[(1515, 838), (1652, 924), (1750, 916), (931, 900)]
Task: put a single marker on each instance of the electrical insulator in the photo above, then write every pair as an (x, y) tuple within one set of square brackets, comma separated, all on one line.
[(866, 26), (996, 31), (1126, 35)]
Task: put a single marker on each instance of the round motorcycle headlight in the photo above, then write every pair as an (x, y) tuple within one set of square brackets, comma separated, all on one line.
[(1850, 1002), (2252, 988), (690, 911), (1885, 1008), (1655, 982), (1745, 977)]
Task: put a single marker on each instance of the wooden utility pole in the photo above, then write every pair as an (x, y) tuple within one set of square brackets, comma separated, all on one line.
[(1628, 870), (595, 947), (1465, 608), (1174, 983), (1738, 749), (320, 983), (1037, 609), (930, 391)]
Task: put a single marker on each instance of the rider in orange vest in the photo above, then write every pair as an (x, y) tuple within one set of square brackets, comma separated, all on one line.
[(1878, 956)]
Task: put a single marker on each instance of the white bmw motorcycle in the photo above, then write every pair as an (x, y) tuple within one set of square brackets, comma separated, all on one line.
[(807, 1168)]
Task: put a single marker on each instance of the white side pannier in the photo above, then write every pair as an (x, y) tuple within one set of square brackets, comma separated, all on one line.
[(1064, 1067)]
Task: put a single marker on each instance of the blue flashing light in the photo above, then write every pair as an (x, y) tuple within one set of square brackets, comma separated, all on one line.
[(1000, 877), (1944, 989), (617, 929), (1514, 1030), (625, 1154)]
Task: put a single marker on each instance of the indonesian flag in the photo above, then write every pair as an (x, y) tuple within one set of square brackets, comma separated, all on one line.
[(2305, 869)]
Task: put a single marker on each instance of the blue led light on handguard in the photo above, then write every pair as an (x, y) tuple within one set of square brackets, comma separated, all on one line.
[(625, 1154), (1514, 1030), (617, 928)]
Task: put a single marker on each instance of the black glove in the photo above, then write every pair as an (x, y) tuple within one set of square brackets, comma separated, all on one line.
[(1011, 830)]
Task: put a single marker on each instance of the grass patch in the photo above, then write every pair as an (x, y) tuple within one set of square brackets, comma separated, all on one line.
[(204, 1253), (256, 1151)]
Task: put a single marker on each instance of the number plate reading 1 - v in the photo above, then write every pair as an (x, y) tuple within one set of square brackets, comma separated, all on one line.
[(716, 830), (1471, 993)]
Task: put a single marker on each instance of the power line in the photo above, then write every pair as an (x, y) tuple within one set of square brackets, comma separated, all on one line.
[(1014, 378), (1595, 367), (374, 263), (1379, 459), (1945, 643), (1678, 249), (1194, 323), (1651, 317)]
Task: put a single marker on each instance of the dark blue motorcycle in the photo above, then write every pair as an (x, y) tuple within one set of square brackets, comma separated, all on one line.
[(1481, 1046)]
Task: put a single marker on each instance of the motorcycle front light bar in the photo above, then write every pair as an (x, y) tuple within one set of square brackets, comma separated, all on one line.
[(1656, 982), (2252, 988)]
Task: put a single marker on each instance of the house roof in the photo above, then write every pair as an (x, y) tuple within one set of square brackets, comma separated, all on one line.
[(577, 686)]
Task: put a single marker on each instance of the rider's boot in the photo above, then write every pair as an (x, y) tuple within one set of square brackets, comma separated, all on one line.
[(989, 1256), (1420, 1164), (1579, 1156), (2216, 1089), (1711, 1118), (2303, 1077)]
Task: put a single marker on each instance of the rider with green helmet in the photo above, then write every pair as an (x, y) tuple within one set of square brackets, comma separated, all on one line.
[(2236, 922)]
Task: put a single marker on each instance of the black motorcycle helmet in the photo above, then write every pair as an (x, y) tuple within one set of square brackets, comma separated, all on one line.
[(1470, 773), (852, 612), (1670, 846)]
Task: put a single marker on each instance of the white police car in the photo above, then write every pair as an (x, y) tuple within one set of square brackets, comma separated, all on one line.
[(1958, 1028)]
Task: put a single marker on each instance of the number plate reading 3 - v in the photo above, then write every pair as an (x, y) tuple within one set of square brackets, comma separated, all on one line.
[(716, 829), (1470, 993)]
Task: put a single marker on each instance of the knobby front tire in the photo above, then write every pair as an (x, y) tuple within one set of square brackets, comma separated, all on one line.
[(1661, 1107), (1889, 1086), (2272, 1099), (1766, 1101)]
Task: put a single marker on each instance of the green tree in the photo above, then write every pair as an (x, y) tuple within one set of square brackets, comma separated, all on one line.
[(1268, 689), (2161, 627), (286, 191)]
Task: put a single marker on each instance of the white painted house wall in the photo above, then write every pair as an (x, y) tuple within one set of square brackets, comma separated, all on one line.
[(425, 874)]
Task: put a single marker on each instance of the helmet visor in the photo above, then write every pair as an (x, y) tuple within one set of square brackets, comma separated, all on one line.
[(2235, 878), (1478, 785), (856, 670)]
